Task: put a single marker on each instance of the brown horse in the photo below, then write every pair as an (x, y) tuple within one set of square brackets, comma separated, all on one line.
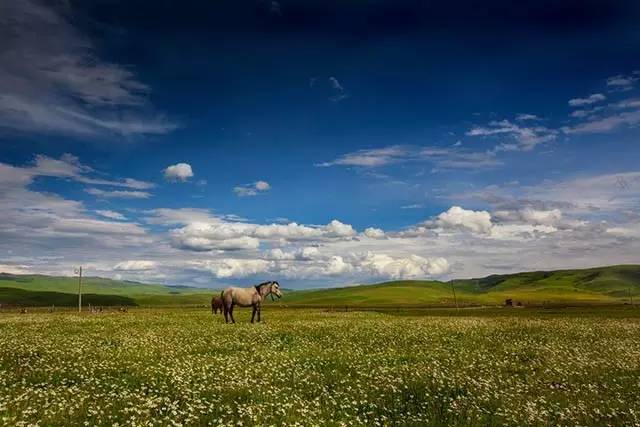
[(216, 304), (248, 297)]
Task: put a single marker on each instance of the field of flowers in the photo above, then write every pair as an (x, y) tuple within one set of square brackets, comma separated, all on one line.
[(183, 367)]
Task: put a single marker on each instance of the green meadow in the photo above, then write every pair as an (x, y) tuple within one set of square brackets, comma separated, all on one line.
[(183, 366)]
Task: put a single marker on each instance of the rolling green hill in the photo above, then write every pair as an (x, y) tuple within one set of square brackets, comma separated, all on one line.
[(40, 290), (613, 284), (95, 285), (594, 285)]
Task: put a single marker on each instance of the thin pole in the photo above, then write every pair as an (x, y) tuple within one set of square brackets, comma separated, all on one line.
[(79, 289), (454, 295)]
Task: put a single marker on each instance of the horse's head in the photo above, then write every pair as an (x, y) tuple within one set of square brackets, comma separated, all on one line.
[(274, 289)]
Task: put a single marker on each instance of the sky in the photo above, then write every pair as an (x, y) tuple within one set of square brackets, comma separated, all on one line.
[(318, 143)]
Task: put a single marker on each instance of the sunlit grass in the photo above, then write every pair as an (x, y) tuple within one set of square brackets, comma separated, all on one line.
[(163, 367)]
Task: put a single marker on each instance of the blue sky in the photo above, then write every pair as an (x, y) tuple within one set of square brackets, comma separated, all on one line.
[(321, 143)]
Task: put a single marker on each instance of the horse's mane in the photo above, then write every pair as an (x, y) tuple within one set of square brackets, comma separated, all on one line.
[(262, 284)]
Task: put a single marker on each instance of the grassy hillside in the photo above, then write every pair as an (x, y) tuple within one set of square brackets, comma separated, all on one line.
[(595, 285), (13, 296), (95, 285), (611, 284), (39, 290)]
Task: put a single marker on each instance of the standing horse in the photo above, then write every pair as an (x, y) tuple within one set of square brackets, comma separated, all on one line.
[(245, 297), (216, 304)]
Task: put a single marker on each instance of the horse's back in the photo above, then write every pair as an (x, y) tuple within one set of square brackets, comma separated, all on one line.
[(240, 296)]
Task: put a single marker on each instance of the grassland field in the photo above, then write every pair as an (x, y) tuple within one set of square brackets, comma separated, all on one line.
[(183, 366)]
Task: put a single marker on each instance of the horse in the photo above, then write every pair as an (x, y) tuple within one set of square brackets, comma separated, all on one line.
[(216, 304), (245, 297)]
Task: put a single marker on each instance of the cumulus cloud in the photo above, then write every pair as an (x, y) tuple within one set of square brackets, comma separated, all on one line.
[(411, 267), (253, 189), (541, 217), (302, 254), (337, 266), (230, 267), (180, 172), (459, 218), (374, 233), (520, 231), (206, 236)]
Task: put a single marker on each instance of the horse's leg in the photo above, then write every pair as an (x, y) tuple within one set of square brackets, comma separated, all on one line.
[(259, 310), (226, 312), (253, 313), (231, 313)]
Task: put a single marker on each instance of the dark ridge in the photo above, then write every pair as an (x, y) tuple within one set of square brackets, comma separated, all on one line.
[(21, 297)]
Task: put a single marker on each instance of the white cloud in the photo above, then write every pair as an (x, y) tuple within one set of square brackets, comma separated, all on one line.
[(411, 267), (541, 217), (118, 194), (371, 157), (180, 172), (262, 186), (135, 265), (230, 267), (14, 269), (253, 189), (591, 99), (524, 117), (338, 92), (449, 158), (443, 157), (45, 221), (520, 231), (621, 82), (605, 124), (631, 232), (374, 233), (338, 229), (69, 167), (180, 216), (111, 214), (337, 266), (206, 236), (53, 81), (459, 218), (525, 137)]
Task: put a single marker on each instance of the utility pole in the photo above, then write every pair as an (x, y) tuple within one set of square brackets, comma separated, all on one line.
[(455, 300), (79, 273)]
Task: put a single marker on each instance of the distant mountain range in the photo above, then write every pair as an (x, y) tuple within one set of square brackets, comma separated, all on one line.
[(612, 284)]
